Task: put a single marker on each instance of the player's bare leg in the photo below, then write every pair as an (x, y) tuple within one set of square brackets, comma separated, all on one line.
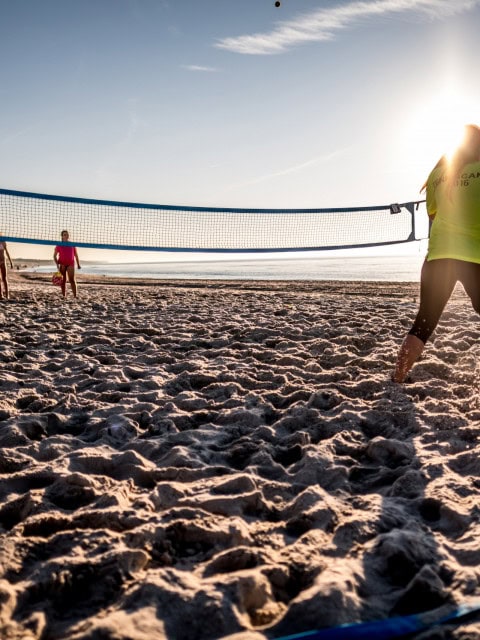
[(72, 281), (408, 354), (3, 270)]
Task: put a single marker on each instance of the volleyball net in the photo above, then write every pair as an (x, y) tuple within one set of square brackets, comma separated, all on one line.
[(39, 219)]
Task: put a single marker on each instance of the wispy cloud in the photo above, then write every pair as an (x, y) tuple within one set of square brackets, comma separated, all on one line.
[(324, 24), (196, 67), (292, 169), (13, 135)]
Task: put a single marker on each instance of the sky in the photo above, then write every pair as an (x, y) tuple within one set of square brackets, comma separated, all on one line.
[(236, 103)]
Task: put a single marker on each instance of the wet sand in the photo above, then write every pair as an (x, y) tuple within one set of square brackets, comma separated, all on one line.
[(209, 459)]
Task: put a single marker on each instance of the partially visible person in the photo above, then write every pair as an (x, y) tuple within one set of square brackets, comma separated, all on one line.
[(65, 257), (453, 205), (3, 269)]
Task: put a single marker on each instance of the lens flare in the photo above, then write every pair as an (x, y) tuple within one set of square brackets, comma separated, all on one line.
[(436, 128)]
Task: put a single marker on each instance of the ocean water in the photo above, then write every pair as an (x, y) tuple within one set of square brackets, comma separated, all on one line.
[(379, 268)]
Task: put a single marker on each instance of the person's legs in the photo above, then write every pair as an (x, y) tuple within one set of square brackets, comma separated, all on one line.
[(469, 276), (437, 282), (71, 279), (438, 279), (3, 272), (63, 270), (409, 352)]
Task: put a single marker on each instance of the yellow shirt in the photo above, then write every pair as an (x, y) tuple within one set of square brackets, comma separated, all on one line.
[(455, 232)]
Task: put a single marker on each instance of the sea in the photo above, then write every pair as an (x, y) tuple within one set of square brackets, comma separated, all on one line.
[(365, 268)]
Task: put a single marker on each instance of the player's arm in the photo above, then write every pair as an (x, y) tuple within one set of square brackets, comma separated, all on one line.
[(76, 258), (8, 256)]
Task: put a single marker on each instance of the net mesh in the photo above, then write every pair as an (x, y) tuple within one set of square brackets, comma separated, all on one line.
[(39, 218)]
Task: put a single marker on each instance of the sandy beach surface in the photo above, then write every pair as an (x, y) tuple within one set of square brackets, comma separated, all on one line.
[(205, 460)]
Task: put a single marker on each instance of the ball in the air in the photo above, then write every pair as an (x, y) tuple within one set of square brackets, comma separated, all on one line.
[(277, 3)]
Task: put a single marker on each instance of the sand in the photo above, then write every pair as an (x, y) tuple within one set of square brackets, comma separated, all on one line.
[(205, 460)]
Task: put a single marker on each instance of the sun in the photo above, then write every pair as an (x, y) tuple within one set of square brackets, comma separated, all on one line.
[(441, 127), (436, 127)]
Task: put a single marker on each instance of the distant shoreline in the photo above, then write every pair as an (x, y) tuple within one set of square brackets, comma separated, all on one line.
[(362, 269)]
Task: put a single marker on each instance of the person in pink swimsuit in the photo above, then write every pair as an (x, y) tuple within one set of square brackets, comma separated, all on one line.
[(65, 257), (3, 268)]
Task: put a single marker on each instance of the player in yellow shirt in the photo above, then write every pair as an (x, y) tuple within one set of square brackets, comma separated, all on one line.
[(453, 203)]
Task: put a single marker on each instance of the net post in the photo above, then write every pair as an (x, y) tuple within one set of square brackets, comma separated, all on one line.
[(410, 206)]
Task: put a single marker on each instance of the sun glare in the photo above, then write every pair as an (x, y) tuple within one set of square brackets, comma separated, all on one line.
[(437, 127), (453, 137)]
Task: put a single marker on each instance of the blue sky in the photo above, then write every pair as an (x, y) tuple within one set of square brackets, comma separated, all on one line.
[(233, 103)]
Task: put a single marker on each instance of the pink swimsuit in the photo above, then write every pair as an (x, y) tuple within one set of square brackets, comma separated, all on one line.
[(66, 255)]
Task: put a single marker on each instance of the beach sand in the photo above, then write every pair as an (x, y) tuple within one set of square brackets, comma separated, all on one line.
[(204, 460)]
